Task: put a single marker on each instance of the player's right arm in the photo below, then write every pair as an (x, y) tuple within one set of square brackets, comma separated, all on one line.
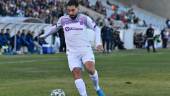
[(53, 29)]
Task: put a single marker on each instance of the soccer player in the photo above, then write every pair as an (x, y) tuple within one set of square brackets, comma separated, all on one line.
[(79, 51)]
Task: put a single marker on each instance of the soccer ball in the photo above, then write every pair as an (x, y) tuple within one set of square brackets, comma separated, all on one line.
[(57, 92)]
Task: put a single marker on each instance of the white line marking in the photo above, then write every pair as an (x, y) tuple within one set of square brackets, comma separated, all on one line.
[(29, 61)]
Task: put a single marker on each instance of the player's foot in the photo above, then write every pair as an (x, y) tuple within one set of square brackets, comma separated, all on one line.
[(100, 92)]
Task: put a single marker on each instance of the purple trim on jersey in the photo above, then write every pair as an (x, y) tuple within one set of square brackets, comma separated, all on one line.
[(82, 20), (86, 23), (67, 20), (63, 20)]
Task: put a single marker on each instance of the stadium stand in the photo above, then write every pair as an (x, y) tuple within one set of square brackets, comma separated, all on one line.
[(36, 15)]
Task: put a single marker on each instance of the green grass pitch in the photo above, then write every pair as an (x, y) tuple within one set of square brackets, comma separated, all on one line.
[(122, 73)]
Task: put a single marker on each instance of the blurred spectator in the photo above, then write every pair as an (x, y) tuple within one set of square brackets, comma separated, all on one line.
[(164, 37), (2, 39), (139, 40), (135, 20), (168, 23), (99, 7), (117, 41), (16, 42), (42, 40), (150, 38), (85, 3), (7, 38), (106, 33), (30, 40), (5, 42), (24, 42), (39, 42)]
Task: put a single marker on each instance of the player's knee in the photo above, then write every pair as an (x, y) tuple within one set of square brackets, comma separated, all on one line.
[(76, 73), (90, 67)]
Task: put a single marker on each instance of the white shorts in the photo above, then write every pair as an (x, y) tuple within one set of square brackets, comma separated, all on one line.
[(77, 60)]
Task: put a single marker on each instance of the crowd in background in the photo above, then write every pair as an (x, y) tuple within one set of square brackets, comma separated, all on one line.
[(111, 39), (50, 10), (23, 42), (98, 7), (47, 10)]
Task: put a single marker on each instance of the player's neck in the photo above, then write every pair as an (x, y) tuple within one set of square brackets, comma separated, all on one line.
[(75, 17)]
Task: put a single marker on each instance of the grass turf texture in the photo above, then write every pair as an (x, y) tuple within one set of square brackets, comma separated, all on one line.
[(125, 73)]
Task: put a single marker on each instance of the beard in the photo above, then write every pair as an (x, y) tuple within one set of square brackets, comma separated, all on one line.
[(73, 17)]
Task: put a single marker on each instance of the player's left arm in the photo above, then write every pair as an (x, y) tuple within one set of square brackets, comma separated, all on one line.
[(92, 25)]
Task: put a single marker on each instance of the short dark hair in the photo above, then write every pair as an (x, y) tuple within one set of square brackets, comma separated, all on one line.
[(73, 3)]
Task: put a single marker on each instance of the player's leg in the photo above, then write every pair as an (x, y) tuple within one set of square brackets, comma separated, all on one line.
[(153, 46), (148, 45), (90, 67), (79, 81), (103, 44), (75, 67), (89, 64), (108, 45)]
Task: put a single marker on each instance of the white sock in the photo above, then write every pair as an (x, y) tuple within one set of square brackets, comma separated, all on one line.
[(95, 80), (81, 87)]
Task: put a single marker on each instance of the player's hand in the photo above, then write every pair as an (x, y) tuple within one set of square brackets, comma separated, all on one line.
[(99, 48)]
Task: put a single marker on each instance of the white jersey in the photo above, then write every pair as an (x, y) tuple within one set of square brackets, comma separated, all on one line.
[(75, 32)]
